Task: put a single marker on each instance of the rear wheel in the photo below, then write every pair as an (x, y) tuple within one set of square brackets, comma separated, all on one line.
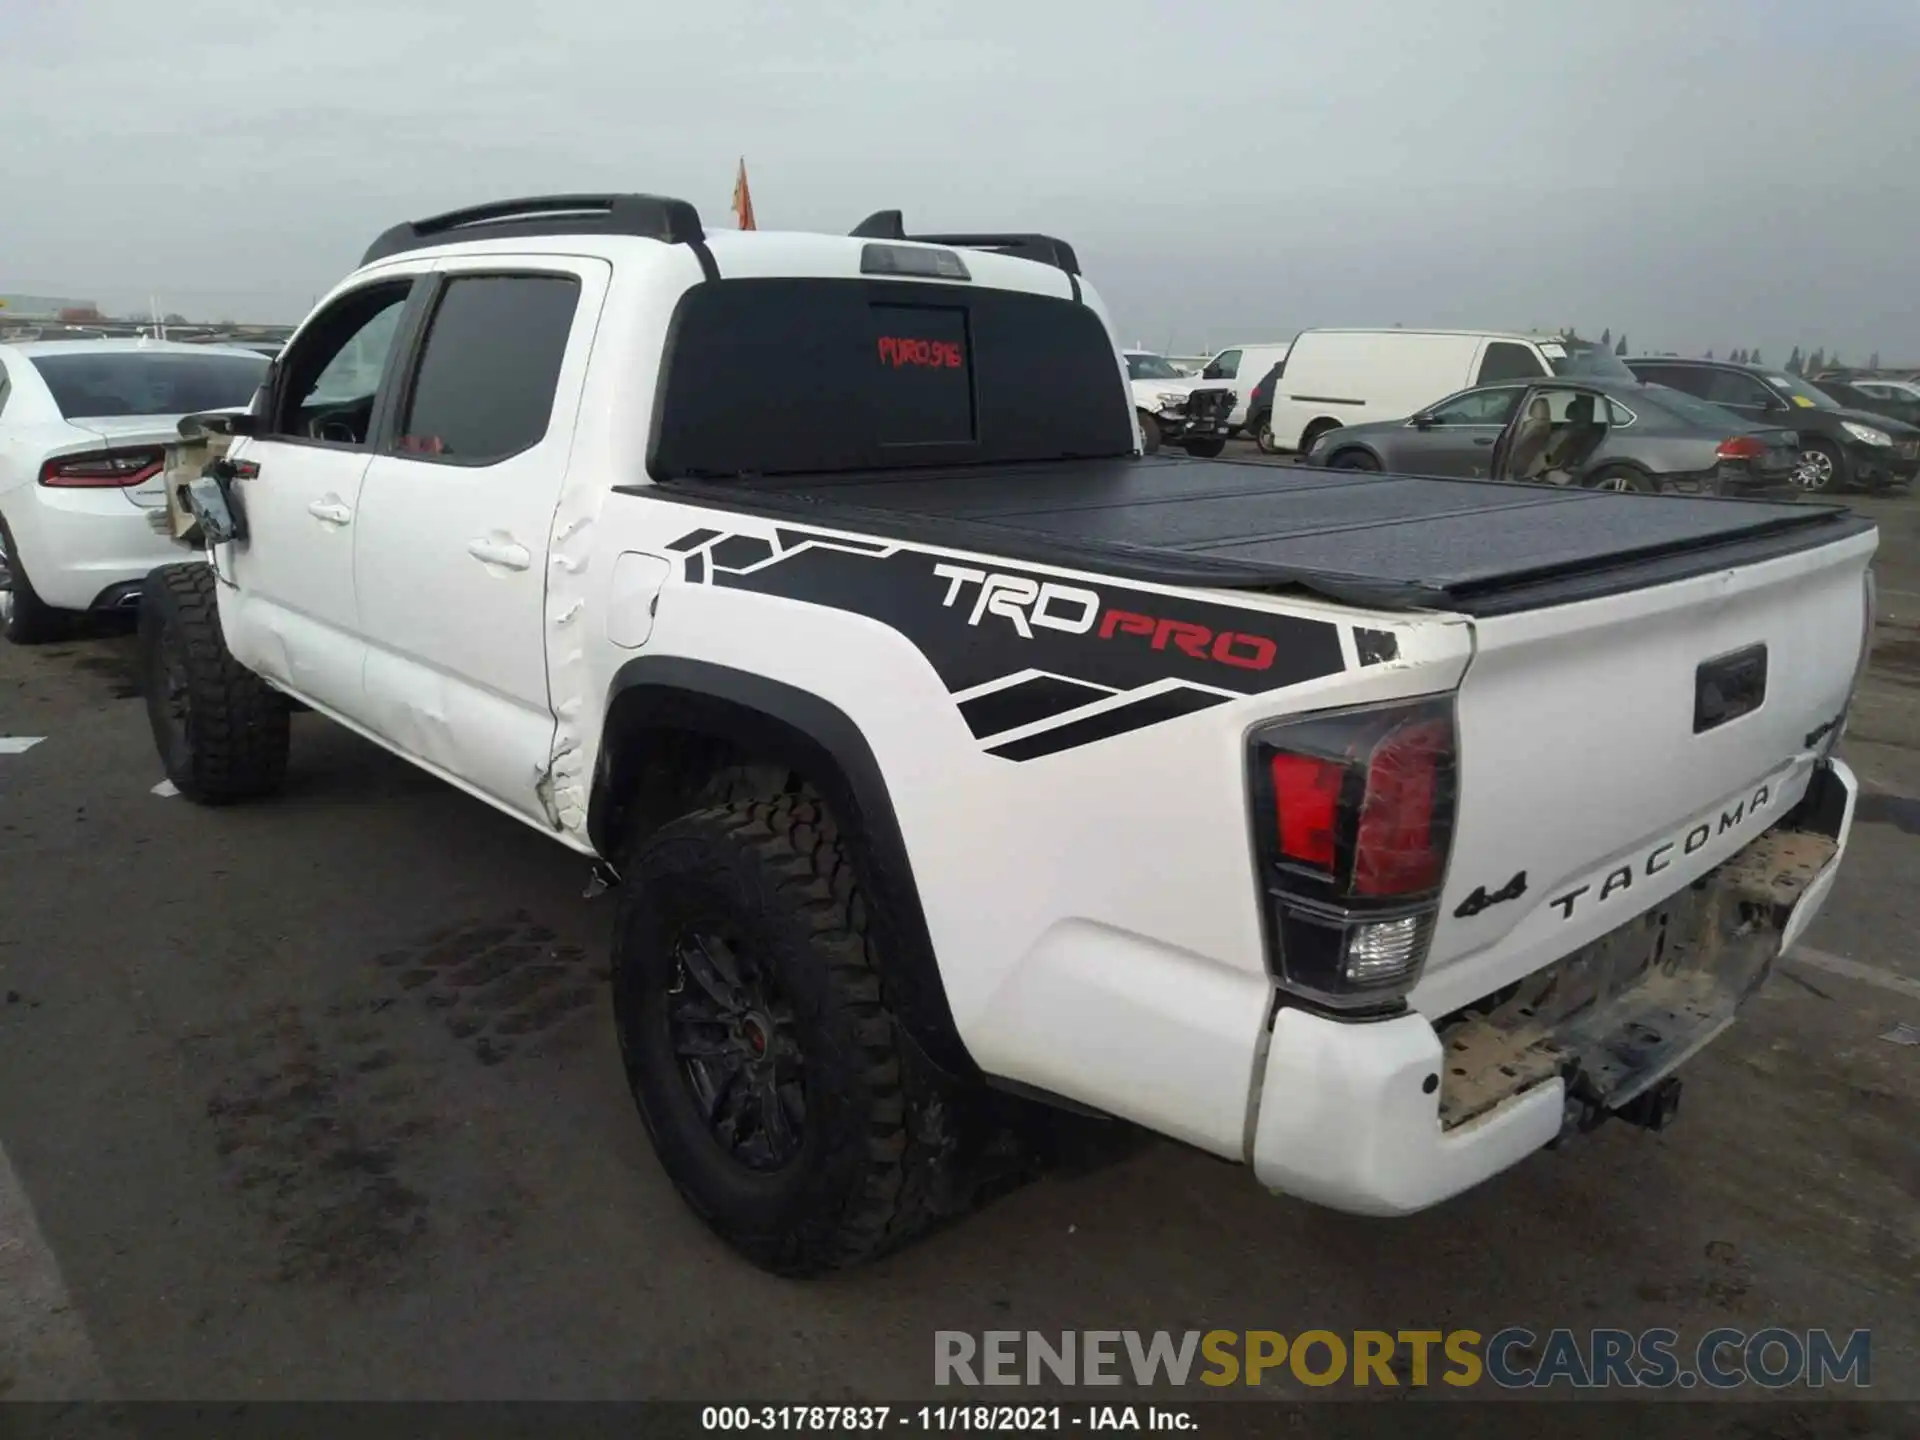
[(26, 618), (1204, 449), (1149, 434), (1263, 435), (767, 1067), (1822, 467), (221, 730), (1621, 478), (1314, 431), (1353, 460)]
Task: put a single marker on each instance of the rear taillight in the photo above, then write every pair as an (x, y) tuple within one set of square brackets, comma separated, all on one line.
[(1742, 447), (102, 469), (1354, 822)]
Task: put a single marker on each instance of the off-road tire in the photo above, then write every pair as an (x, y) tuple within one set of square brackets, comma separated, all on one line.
[(877, 1133), (1149, 434), (30, 620), (221, 730)]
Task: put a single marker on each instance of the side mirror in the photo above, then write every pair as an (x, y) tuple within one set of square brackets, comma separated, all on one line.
[(1212, 372), (213, 513), (1424, 421)]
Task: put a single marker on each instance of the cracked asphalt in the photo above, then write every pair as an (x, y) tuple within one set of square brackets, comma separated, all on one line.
[(318, 1098)]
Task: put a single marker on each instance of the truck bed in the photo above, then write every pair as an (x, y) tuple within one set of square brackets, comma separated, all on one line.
[(1393, 542)]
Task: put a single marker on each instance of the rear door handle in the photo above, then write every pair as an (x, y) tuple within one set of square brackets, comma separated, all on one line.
[(331, 511), (503, 553)]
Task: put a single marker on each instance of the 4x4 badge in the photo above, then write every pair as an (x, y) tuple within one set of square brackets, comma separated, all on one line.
[(1480, 900)]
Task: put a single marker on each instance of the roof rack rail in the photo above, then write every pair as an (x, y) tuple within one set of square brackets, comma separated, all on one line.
[(654, 216), (889, 225)]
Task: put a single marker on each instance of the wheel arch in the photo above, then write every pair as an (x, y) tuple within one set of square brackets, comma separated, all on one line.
[(672, 723)]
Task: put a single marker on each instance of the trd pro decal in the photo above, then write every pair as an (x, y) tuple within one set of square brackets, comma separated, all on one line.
[(1016, 649)]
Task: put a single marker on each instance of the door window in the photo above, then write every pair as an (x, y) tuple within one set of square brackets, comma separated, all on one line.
[(331, 374), (490, 367), (1743, 392), (1225, 366), (1477, 407), (1506, 360)]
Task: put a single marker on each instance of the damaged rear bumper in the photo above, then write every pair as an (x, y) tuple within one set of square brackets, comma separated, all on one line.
[(1389, 1117)]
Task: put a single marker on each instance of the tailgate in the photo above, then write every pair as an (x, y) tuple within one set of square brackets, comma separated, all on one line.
[(1614, 750)]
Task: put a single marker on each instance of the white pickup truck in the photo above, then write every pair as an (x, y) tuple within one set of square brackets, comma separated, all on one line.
[(1372, 831)]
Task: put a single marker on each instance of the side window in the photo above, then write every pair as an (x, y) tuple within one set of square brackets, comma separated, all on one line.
[(1679, 377), (1618, 414), (1478, 407), (1730, 387), (491, 364), (1505, 360), (1225, 366), (330, 375)]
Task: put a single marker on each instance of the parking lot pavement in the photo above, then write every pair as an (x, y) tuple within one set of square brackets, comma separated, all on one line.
[(319, 1098)]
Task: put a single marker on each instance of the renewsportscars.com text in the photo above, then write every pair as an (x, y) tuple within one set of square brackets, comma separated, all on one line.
[(1513, 1358)]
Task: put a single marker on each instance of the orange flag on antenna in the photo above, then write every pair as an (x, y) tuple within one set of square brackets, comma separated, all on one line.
[(743, 199)]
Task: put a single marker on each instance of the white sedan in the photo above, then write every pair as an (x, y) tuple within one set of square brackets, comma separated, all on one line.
[(84, 426)]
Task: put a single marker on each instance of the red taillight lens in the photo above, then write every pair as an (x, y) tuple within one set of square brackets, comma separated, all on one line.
[(102, 469), (1356, 815), (1741, 447), (1395, 852), (1306, 800)]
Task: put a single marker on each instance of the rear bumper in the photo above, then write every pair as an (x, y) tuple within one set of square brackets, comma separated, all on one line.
[(82, 548), (1389, 1117)]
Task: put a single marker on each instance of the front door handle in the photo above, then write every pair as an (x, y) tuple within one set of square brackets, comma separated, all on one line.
[(1487, 441), (503, 553), (330, 511)]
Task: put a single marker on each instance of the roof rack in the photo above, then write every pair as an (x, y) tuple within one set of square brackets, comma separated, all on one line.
[(654, 216), (888, 225)]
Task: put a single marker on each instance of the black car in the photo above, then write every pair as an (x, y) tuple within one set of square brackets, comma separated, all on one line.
[(1578, 431), (1840, 448), (1876, 396), (1259, 422)]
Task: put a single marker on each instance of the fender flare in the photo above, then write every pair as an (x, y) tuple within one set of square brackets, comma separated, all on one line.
[(777, 722)]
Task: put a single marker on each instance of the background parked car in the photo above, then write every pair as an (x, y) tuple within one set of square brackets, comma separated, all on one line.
[(1175, 408), (1896, 399), (1241, 366), (1840, 448), (1604, 434), (1347, 377), (84, 426)]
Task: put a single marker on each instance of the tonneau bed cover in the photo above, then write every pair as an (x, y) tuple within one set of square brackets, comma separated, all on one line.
[(1396, 542)]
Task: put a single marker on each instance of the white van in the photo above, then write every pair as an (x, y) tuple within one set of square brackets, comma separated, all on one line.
[(1344, 377), (1243, 367)]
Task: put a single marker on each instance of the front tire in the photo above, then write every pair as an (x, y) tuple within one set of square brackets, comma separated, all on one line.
[(221, 730), (776, 1085), (1204, 449), (1353, 460), (1263, 436), (1149, 434), (24, 616)]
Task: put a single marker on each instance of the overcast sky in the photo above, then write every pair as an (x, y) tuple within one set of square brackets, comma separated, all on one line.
[(1697, 174)]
